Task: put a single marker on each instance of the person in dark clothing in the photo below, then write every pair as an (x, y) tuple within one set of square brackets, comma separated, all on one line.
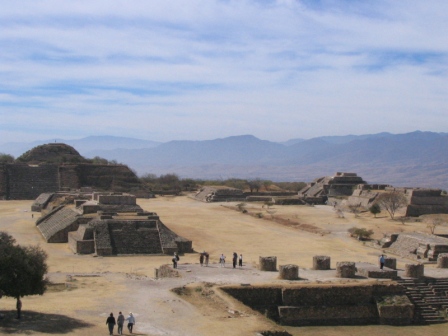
[(234, 259), (174, 260), (240, 260), (111, 323), (201, 259), (120, 322), (382, 260), (19, 308)]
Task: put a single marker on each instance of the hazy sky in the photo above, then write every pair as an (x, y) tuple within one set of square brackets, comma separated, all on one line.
[(205, 69)]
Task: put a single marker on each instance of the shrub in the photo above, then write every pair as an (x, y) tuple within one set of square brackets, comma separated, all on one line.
[(361, 233)]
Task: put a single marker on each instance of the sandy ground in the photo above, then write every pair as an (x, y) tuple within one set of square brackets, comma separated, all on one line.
[(99, 285)]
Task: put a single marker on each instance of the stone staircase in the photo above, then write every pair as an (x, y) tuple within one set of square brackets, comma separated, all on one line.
[(429, 297)]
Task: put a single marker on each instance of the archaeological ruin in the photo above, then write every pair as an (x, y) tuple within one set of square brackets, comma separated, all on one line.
[(59, 167), (328, 304), (415, 245), (105, 224), (322, 188)]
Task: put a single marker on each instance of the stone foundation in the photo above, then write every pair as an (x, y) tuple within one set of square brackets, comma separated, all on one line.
[(166, 271), (289, 272), (345, 269), (321, 262), (302, 305), (268, 264), (414, 270), (372, 271)]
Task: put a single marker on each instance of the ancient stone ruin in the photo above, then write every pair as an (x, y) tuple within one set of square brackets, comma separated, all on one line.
[(415, 245), (57, 167), (107, 224), (425, 201), (340, 184), (335, 304)]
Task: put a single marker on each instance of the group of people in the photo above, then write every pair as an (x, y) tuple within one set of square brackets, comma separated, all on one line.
[(204, 258), (235, 259), (120, 322)]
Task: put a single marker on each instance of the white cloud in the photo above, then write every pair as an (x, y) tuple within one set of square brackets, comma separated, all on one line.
[(201, 69)]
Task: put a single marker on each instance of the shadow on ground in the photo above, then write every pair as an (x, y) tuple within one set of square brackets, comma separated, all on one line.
[(32, 321)]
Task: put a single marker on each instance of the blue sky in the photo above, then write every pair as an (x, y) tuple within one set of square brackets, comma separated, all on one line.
[(204, 69)]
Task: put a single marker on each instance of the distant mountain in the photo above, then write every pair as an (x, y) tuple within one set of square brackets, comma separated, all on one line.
[(339, 139), (417, 159), (84, 146)]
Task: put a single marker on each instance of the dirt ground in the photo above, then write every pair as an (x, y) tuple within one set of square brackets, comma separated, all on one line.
[(85, 289)]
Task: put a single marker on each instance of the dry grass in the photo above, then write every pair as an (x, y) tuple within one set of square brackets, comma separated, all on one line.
[(124, 283)]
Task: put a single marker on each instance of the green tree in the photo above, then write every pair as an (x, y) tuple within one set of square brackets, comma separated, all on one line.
[(99, 160), (22, 269), (254, 184), (6, 158), (391, 202), (375, 209)]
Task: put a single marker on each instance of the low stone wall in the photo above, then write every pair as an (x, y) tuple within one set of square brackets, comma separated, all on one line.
[(324, 315), (324, 304), (395, 310), (80, 246)]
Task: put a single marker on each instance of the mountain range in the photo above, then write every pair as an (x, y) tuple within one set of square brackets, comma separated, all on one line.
[(416, 159)]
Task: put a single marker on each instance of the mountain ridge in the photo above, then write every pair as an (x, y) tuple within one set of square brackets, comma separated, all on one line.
[(415, 159)]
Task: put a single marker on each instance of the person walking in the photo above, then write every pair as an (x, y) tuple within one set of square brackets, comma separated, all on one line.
[(207, 256), (222, 260), (240, 260), (120, 322), (234, 259), (382, 260), (131, 322), (111, 323), (174, 260), (201, 258), (19, 308)]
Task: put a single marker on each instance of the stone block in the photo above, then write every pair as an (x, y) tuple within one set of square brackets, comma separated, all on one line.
[(390, 263), (289, 272), (345, 269), (414, 270), (321, 262), (442, 260), (268, 264)]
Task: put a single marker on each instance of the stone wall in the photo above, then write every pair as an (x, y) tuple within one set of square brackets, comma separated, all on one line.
[(421, 245), (134, 237), (68, 176), (23, 181), (28, 182), (425, 201), (117, 199), (314, 304), (55, 226)]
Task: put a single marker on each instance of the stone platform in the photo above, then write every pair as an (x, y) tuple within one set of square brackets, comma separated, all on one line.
[(372, 271)]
